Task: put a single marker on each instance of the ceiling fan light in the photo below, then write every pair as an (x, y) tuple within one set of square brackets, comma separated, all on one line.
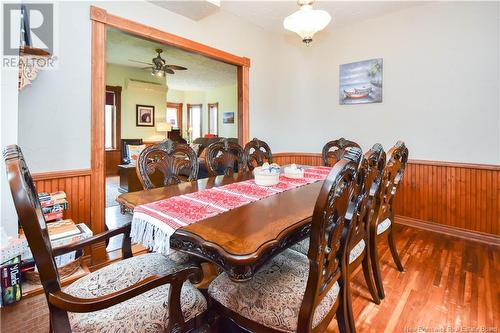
[(306, 22), (158, 72)]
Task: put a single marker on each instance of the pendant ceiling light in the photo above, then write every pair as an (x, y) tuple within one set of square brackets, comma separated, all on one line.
[(307, 21)]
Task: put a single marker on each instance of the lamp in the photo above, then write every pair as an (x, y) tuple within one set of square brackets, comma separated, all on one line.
[(163, 127), (158, 72), (307, 21)]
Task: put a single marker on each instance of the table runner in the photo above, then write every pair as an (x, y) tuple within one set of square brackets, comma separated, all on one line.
[(154, 223)]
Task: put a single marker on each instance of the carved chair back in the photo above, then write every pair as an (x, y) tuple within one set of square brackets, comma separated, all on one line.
[(224, 155), (397, 158), (176, 161), (256, 153), (31, 217), (366, 186), (333, 150), (327, 250)]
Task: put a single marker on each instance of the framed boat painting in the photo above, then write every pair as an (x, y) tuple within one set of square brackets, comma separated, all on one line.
[(361, 82)]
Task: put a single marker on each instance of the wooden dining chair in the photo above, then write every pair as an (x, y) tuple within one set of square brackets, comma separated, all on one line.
[(256, 153), (294, 292), (383, 219), (147, 293), (358, 218), (223, 157), (333, 150), (359, 215), (177, 162)]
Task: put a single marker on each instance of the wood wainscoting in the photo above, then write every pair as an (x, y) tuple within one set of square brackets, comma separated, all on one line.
[(454, 198), (76, 184)]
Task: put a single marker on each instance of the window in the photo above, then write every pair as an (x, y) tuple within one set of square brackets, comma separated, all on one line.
[(213, 117), (173, 115), (194, 120), (112, 117)]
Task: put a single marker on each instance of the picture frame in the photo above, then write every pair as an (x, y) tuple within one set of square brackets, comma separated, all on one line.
[(144, 115), (228, 117), (361, 82)]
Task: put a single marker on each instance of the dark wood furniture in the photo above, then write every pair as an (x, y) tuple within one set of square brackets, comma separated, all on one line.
[(177, 162), (60, 302), (256, 153), (241, 240), (333, 150), (223, 157), (176, 135), (129, 182), (359, 216), (326, 260), (383, 221)]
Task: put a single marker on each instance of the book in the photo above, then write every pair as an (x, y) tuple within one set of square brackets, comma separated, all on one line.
[(44, 196), (50, 203), (62, 229), (10, 279), (53, 216), (53, 205), (69, 234), (54, 208)]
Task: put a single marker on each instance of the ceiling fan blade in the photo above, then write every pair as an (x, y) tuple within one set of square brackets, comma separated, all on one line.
[(140, 62), (179, 68), (168, 70)]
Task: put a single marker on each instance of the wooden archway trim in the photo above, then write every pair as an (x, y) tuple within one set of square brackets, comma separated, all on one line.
[(101, 20), (153, 34)]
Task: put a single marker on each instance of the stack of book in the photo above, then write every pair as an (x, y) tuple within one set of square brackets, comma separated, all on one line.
[(60, 233), (53, 204)]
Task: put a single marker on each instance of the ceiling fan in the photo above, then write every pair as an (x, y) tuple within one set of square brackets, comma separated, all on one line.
[(159, 66)]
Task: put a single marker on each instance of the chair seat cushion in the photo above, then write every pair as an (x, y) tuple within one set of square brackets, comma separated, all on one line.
[(357, 250), (383, 226), (273, 296), (147, 312), (303, 247)]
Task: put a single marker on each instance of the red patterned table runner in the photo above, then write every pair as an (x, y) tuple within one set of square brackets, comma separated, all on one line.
[(154, 223)]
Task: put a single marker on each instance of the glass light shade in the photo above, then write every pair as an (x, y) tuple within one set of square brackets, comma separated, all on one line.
[(158, 72), (306, 22), (163, 127)]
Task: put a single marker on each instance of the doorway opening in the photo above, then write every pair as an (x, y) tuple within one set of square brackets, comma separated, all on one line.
[(101, 23)]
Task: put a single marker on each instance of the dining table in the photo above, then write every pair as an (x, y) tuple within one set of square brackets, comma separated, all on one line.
[(243, 239)]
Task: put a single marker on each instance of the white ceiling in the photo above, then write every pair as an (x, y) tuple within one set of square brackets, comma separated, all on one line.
[(202, 73), (270, 14), (193, 9)]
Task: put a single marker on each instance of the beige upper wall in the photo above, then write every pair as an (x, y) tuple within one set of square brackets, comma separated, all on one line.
[(131, 96), (157, 96), (226, 96), (441, 82), (441, 86), (58, 103)]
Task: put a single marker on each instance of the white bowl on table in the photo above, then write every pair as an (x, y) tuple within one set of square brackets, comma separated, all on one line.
[(294, 172), (264, 176)]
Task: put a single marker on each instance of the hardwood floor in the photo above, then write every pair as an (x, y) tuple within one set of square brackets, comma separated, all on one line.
[(447, 282)]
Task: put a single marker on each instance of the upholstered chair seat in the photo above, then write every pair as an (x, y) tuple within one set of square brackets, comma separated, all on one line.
[(147, 312), (303, 247), (383, 226), (273, 296)]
